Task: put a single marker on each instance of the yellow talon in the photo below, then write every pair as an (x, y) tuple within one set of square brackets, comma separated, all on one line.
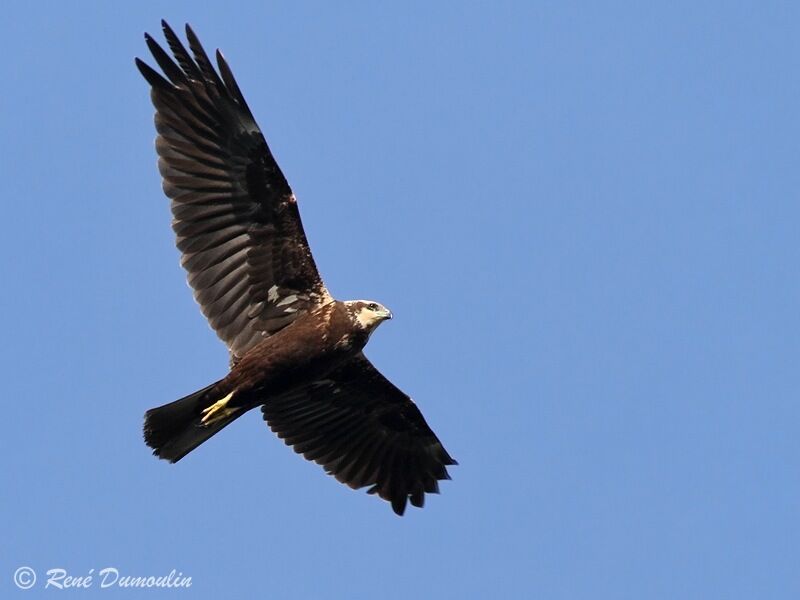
[(217, 411)]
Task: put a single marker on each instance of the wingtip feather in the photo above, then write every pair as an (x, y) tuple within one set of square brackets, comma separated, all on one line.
[(151, 75)]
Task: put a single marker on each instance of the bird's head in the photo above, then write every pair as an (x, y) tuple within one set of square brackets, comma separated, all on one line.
[(367, 314)]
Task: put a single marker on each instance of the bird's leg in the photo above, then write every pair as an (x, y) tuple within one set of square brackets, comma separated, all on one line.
[(217, 411)]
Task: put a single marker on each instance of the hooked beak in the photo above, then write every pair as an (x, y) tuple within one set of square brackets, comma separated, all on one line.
[(387, 314)]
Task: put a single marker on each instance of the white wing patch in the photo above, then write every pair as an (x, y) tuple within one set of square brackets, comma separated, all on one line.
[(288, 300)]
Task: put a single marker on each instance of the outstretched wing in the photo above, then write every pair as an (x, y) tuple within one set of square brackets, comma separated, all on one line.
[(364, 431), (235, 217)]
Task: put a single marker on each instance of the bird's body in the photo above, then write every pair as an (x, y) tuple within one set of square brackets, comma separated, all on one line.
[(308, 348), (295, 351)]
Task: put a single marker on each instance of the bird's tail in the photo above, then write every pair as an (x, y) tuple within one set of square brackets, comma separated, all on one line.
[(177, 428)]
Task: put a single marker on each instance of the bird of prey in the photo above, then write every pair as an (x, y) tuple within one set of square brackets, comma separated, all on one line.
[(295, 351)]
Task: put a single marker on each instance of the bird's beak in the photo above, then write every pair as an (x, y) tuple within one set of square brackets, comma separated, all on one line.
[(387, 314)]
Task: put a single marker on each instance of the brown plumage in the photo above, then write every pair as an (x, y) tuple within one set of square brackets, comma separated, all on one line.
[(295, 351)]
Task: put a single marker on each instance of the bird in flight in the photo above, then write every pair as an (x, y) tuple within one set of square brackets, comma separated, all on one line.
[(295, 351)]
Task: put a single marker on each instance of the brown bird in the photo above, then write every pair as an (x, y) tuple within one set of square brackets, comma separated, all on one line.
[(295, 351)]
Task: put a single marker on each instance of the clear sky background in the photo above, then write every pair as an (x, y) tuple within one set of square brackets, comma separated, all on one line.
[(585, 219)]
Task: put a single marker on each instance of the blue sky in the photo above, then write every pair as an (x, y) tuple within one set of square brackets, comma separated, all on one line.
[(585, 219)]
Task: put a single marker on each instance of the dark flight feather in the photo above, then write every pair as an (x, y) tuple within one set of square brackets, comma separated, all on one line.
[(181, 55), (364, 431), (235, 216)]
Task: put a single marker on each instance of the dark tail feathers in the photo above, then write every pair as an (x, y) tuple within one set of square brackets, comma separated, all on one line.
[(174, 430)]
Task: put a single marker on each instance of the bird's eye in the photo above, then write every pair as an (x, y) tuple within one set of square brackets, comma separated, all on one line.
[(372, 306)]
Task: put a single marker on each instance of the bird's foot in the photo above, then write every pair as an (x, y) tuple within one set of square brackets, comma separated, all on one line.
[(217, 411)]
